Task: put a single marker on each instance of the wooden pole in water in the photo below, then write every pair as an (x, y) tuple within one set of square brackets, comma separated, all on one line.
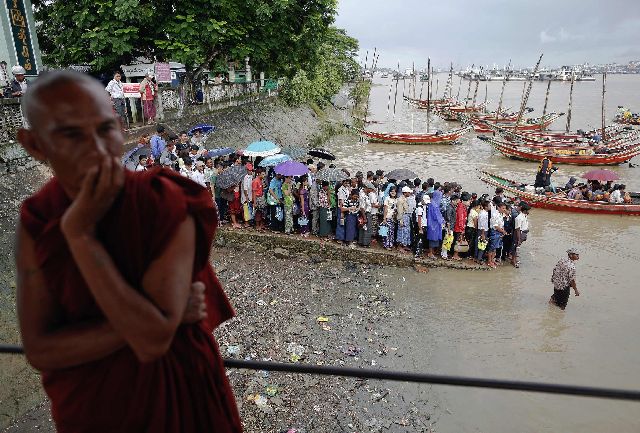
[(413, 71), (546, 100), (466, 100), (448, 88), (504, 83), (373, 59), (389, 102), (366, 60), (528, 92), (437, 87), (475, 92), (428, 90), (421, 87), (486, 95), (573, 79), (395, 98), (459, 86), (604, 86)]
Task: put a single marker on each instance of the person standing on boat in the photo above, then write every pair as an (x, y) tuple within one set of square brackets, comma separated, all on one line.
[(564, 279), (543, 177)]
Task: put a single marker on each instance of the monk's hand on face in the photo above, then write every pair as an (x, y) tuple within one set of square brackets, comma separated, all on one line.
[(99, 189), (196, 309)]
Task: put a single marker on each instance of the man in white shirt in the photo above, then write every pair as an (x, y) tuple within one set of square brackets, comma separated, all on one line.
[(421, 222), (197, 175), (520, 232), (115, 89)]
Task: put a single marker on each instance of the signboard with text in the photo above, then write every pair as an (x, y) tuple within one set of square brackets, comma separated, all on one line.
[(21, 36), (131, 90), (163, 73)]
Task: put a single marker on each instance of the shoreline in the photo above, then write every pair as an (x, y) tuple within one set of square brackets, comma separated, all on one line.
[(320, 249)]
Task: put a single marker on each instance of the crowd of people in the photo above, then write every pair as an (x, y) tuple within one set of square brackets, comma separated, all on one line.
[(427, 219)]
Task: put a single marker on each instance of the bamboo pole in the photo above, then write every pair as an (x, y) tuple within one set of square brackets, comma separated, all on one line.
[(546, 101), (475, 92), (413, 71), (466, 100), (389, 102), (526, 96), (573, 79), (395, 98), (366, 60), (504, 83), (486, 95), (459, 86), (448, 88), (428, 91), (604, 86)]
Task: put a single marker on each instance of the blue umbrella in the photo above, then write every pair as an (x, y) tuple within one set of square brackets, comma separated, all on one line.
[(261, 148), (203, 127), (271, 161), (221, 151)]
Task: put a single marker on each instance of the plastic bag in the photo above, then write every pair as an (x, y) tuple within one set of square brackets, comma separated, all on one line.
[(448, 240)]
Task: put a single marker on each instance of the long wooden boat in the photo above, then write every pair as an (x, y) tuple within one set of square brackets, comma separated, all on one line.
[(484, 126), (565, 156), (559, 201), (414, 138), (434, 102), (555, 136), (614, 142)]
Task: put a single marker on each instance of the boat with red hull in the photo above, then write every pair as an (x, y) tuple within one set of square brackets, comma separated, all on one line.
[(559, 201), (414, 138), (484, 126), (574, 156)]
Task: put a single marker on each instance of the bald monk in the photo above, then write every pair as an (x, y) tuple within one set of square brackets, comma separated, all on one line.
[(109, 264)]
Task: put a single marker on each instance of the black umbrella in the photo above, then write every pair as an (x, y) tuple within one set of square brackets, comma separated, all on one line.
[(231, 176), (131, 158), (322, 154), (331, 175), (401, 174)]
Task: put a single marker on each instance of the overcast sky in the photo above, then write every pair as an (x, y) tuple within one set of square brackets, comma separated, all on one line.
[(493, 31)]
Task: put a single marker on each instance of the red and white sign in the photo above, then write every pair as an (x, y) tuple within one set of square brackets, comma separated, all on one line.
[(131, 90), (163, 73)]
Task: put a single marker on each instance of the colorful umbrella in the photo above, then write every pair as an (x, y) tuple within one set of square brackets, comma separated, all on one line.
[(274, 160), (331, 175), (291, 168), (203, 127), (231, 176), (221, 151), (261, 148), (322, 154), (602, 175)]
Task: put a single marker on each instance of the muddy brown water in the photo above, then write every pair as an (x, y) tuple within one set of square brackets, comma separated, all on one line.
[(497, 324)]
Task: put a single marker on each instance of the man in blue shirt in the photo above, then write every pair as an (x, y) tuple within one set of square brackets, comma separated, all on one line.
[(158, 143)]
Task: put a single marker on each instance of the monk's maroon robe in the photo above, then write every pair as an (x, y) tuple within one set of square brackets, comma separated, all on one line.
[(186, 390)]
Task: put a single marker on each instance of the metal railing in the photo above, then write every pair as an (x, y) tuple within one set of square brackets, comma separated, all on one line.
[(401, 376)]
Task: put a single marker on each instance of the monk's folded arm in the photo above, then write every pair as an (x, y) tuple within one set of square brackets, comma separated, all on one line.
[(147, 319), (47, 345)]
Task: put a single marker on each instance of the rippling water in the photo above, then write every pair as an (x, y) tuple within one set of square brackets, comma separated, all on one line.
[(498, 323)]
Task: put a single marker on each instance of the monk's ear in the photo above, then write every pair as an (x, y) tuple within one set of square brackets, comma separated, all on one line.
[(30, 143)]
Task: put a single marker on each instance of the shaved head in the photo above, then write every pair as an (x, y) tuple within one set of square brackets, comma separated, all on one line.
[(43, 87), (72, 125)]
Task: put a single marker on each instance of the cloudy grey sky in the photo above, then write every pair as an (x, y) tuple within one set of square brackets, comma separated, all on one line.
[(493, 31)]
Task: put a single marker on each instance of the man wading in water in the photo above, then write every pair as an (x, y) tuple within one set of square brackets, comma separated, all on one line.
[(564, 279)]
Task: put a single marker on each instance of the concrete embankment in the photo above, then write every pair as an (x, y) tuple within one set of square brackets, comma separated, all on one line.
[(292, 246)]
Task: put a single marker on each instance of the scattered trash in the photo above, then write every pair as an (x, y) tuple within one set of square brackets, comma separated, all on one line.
[(261, 302), (233, 350), (322, 319), (271, 390)]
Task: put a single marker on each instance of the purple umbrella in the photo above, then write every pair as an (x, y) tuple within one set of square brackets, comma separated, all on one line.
[(291, 168)]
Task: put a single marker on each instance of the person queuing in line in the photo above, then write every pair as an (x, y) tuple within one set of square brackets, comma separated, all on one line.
[(520, 232), (158, 142), (496, 231), (563, 279)]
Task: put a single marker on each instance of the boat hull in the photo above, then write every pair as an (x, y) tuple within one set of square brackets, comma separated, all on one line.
[(560, 203), (413, 139)]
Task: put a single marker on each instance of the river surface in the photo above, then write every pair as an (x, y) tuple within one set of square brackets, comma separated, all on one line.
[(497, 324)]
